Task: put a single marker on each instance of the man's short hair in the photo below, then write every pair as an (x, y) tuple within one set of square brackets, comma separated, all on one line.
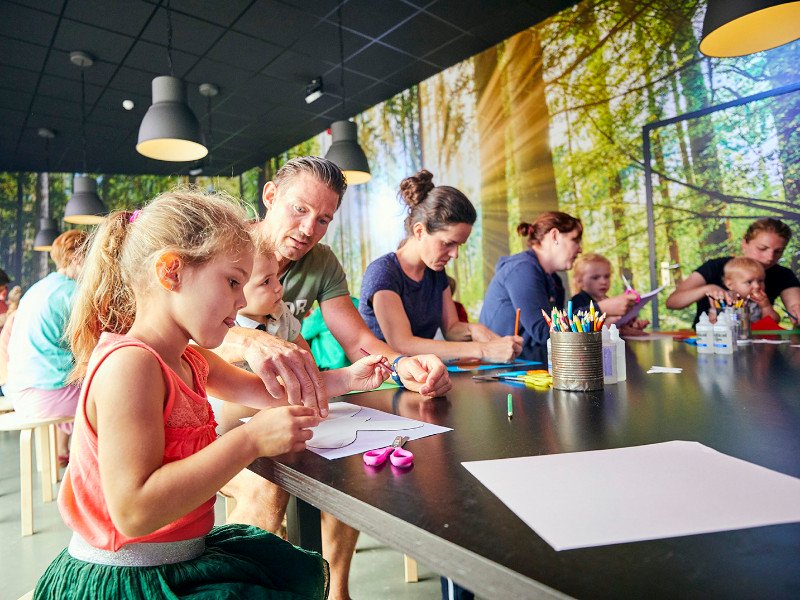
[(320, 168)]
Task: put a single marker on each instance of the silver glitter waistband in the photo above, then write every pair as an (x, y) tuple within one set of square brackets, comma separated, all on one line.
[(143, 554)]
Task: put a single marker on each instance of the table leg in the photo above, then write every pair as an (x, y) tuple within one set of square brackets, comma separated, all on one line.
[(303, 525)]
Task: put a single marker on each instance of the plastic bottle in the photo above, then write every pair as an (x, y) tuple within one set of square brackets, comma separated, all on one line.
[(705, 335), (619, 350), (549, 356), (724, 339), (609, 358)]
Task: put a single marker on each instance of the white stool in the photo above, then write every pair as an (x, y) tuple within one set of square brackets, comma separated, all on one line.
[(45, 451)]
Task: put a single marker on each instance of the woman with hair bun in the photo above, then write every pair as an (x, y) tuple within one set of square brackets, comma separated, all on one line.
[(528, 281), (405, 295)]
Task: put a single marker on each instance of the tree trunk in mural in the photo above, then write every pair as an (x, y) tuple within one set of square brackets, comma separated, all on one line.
[(491, 134), (43, 210), (705, 171), (530, 126)]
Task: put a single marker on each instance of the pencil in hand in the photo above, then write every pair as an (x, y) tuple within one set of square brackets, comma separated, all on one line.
[(384, 362), (516, 324)]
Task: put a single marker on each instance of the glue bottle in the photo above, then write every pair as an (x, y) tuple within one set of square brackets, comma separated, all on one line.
[(705, 335), (619, 351), (724, 338), (549, 356), (609, 358)]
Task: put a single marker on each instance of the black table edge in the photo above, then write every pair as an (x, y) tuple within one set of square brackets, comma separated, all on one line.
[(483, 577)]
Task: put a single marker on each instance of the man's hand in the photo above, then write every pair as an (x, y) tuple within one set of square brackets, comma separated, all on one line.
[(270, 358), (425, 374)]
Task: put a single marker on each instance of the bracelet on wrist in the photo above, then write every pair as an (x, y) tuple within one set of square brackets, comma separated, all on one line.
[(395, 376)]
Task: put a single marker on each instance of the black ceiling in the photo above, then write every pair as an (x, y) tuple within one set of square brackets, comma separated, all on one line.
[(260, 53)]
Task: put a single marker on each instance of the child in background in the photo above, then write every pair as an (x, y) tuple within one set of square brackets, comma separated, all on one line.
[(744, 278), (146, 463), (592, 275), (13, 298)]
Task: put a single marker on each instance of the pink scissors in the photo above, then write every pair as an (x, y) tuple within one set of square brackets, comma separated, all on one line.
[(629, 290), (395, 453)]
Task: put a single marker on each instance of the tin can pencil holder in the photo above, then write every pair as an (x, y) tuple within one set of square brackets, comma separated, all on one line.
[(577, 360), (741, 317)]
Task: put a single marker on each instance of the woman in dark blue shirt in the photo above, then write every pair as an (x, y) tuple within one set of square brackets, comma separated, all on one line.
[(528, 281), (405, 295)]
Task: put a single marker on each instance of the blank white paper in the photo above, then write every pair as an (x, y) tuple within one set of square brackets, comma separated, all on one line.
[(584, 499)]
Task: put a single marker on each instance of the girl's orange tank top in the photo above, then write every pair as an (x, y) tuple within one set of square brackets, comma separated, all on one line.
[(189, 426)]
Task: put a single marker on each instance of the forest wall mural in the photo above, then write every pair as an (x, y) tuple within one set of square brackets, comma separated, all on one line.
[(552, 119)]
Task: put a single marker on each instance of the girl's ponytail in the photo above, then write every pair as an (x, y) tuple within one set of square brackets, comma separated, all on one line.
[(104, 302)]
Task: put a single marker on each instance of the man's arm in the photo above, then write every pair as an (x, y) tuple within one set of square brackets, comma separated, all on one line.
[(269, 358), (425, 374)]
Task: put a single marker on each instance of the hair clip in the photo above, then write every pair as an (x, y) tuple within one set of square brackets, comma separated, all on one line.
[(134, 215)]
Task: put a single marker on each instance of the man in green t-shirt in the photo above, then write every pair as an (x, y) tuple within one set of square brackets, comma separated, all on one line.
[(301, 201)]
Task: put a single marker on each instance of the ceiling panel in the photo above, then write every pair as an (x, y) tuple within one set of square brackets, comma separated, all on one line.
[(260, 53)]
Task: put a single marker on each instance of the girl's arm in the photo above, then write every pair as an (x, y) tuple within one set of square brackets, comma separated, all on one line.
[(125, 407), (396, 329)]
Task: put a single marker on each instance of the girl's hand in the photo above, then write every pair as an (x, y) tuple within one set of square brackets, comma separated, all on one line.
[(481, 333), (282, 429), (368, 373), (617, 305), (502, 350)]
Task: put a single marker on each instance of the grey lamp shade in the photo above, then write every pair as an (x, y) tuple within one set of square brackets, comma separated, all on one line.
[(346, 154), (84, 207), (740, 27), (48, 232), (169, 130)]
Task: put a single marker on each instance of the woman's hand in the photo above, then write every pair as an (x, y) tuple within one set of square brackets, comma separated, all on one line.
[(714, 292), (282, 429), (502, 350), (368, 372)]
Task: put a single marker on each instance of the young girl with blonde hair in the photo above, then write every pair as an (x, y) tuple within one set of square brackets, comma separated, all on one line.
[(146, 464)]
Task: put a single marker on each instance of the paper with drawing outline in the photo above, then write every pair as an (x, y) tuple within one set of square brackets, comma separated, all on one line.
[(345, 420), (600, 497), (370, 440)]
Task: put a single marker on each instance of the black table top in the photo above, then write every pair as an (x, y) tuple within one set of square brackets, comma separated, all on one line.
[(746, 405)]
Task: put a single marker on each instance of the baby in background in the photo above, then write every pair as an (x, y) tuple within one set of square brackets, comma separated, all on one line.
[(592, 275), (744, 278)]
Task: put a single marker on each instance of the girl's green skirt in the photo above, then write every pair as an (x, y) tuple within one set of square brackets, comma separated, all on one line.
[(239, 561)]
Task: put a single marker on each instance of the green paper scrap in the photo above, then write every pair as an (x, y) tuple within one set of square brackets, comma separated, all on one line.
[(386, 385)]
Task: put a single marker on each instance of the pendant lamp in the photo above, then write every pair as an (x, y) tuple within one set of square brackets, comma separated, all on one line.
[(48, 232), (170, 131), (48, 229), (84, 207), (740, 27), (345, 151)]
